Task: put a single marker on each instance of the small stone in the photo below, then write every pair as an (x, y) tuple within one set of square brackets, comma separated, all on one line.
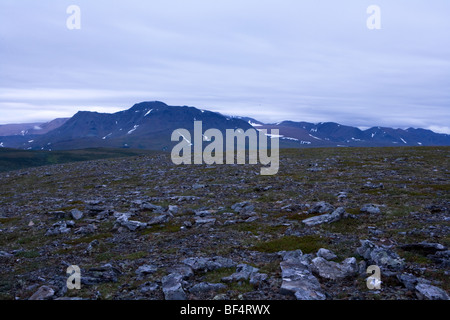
[(321, 207), (184, 270), (257, 278), (152, 207), (326, 254), (243, 207), (173, 209), (204, 213), (76, 214), (196, 186), (336, 215), (243, 272), (4, 254), (299, 281), (148, 288), (370, 209), (43, 293), (332, 270), (371, 185), (382, 257), (209, 264), (164, 218), (205, 221), (429, 292), (206, 287), (130, 224), (92, 245), (146, 269), (187, 224), (172, 287)]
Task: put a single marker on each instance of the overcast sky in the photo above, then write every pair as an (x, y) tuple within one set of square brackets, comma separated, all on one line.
[(302, 60)]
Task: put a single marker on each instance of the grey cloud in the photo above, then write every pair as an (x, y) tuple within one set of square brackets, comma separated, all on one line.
[(272, 60)]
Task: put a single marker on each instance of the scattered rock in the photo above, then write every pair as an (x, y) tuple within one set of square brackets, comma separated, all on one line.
[(384, 258), (184, 270), (151, 207), (90, 228), (341, 196), (298, 279), (243, 207), (442, 258), (204, 287), (321, 207), (429, 292), (371, 185), (76, 214), (102, 274), (243, 272), (130, 224), (145, 270), (92, 245), (148, 288), (208, 264), (205, 221), (172, 287), (370, 209), (4, 254), (326, 254), (164, 218), (43, 293), (334, 271), (60, 227), (204, 213), (173, 209), (336, 215)]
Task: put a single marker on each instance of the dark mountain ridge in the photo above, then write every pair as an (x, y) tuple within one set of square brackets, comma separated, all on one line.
[(149, 125)]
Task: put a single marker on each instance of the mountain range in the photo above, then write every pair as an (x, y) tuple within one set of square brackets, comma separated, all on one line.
[(149, 125)]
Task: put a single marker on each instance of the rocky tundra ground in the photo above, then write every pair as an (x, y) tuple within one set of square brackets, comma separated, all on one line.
[(144, 228)]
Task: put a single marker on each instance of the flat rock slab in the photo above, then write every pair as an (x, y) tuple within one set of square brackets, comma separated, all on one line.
[(332, 270), (172, 287), (336, 215), (200, 264), (299, 281)]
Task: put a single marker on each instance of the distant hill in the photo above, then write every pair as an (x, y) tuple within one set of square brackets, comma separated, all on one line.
[(149, 125), (330, 134), (13, 159), (37, 128)]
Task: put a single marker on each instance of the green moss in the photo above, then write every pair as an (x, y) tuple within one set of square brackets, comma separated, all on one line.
[(216, 276), (29, 254), (307, 244), (135, 255), (241, 286), (9, 220), (346, 226), (105, 256), (169, 227), (89, 239), (414, 257)]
